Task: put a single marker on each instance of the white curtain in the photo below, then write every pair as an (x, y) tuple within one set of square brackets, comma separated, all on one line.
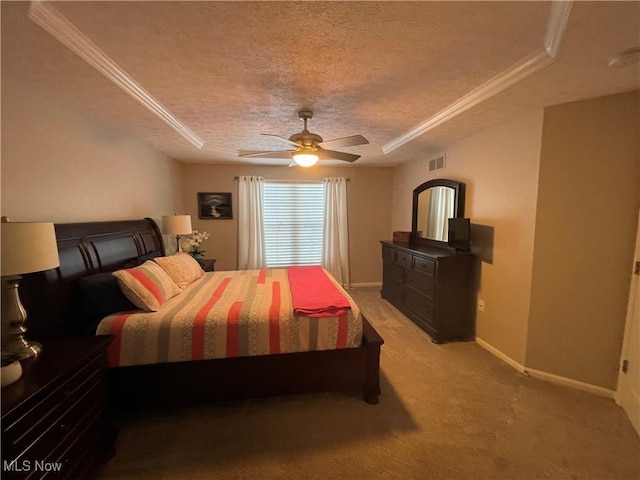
[(251, 249), (440, 210), (335, 245)]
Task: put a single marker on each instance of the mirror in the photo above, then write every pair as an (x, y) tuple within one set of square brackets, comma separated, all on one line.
[(434, 202)]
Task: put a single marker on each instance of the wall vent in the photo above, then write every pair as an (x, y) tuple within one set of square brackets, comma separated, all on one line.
[(437, 163)]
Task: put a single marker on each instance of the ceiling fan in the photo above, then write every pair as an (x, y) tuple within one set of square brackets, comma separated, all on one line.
[(310, 147)]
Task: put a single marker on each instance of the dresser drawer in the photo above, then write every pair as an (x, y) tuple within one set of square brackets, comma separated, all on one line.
[(421, 282), (80, 434), (84, 440), (404, 259), (425, 266), (22, 431), (60, 433), (72, 457), (420, 305), (392, 273), (392, 279), (388, 254)]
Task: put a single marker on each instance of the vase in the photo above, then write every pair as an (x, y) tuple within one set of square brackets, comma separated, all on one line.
[(198, 257)]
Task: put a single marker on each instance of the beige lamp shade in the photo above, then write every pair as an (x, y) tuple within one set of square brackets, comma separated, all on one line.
[(177, 224), (28, 247)]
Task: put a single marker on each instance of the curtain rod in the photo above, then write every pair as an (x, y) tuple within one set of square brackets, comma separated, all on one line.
[(295, 179)]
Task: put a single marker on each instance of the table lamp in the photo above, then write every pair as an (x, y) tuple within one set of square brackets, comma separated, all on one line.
[(26, 248), (177, 225)]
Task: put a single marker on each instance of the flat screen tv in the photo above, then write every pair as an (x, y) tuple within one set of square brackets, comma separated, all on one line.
[(459, 234)]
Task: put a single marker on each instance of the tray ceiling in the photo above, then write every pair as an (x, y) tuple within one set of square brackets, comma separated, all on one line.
[(410, 76)]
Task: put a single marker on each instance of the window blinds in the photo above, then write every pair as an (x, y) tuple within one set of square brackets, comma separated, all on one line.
[(293, 219)]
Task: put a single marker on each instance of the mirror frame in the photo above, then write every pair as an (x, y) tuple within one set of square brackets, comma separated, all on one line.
[(458, 208)]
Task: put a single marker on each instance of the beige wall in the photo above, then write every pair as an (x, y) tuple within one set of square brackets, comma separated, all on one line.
[(369, 196), (588, 201), (58, 165), (500, 170)]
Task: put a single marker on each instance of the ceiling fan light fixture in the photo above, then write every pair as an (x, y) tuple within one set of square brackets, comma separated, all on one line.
[(305, 159), (310, 147)]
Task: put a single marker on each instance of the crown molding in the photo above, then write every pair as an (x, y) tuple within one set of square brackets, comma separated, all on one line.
[(495, 85), (556, 25), (47, 17), (558, 17)]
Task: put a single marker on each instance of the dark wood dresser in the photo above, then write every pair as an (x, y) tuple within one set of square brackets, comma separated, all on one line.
[(54, 418), (433, 287)]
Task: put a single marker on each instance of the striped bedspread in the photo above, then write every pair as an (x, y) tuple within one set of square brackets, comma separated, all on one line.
[(227, 314)]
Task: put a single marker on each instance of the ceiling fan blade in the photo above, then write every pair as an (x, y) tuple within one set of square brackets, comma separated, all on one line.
[(279, 154), (281, 138), (332, 154), (351, 141)]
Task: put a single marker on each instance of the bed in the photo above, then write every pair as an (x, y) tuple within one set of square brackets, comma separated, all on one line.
[(87, 249)]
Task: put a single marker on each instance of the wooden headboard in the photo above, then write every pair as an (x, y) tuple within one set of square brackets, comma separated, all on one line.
[(85, 249)]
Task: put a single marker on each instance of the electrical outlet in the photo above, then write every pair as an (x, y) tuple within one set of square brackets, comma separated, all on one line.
[(481, 305)]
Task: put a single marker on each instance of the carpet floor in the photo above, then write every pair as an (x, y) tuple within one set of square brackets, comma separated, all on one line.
[(450, 411)]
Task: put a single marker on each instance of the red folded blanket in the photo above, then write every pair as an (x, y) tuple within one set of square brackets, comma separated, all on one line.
[(314, 294)]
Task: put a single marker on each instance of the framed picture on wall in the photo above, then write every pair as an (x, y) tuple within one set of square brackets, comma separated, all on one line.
[(214, 206)]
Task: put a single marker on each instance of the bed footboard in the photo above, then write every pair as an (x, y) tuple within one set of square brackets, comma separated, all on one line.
[(372, 341), (188, 383)]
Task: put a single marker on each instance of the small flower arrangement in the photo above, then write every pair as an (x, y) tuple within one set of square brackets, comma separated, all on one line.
[(191, 244)]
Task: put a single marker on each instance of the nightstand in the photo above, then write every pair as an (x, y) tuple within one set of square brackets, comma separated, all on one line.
[(209, 264), (54, 418)]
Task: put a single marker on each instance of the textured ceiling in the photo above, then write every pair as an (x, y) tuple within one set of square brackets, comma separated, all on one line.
[(232, 70)]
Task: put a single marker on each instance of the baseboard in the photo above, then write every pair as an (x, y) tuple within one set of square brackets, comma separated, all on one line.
[(505, 358), (370, 284), (631, 405), (549, 377)]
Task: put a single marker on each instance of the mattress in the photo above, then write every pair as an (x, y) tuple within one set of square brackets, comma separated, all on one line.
[(228, 314)]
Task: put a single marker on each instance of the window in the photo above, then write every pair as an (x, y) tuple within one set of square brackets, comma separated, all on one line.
[(293, 222)]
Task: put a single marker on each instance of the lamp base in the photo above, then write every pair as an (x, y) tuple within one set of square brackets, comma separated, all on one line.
[(13, 318), (22, 348)]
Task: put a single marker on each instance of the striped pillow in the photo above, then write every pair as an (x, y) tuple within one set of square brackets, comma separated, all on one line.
[(181, 267), (147, 286)]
